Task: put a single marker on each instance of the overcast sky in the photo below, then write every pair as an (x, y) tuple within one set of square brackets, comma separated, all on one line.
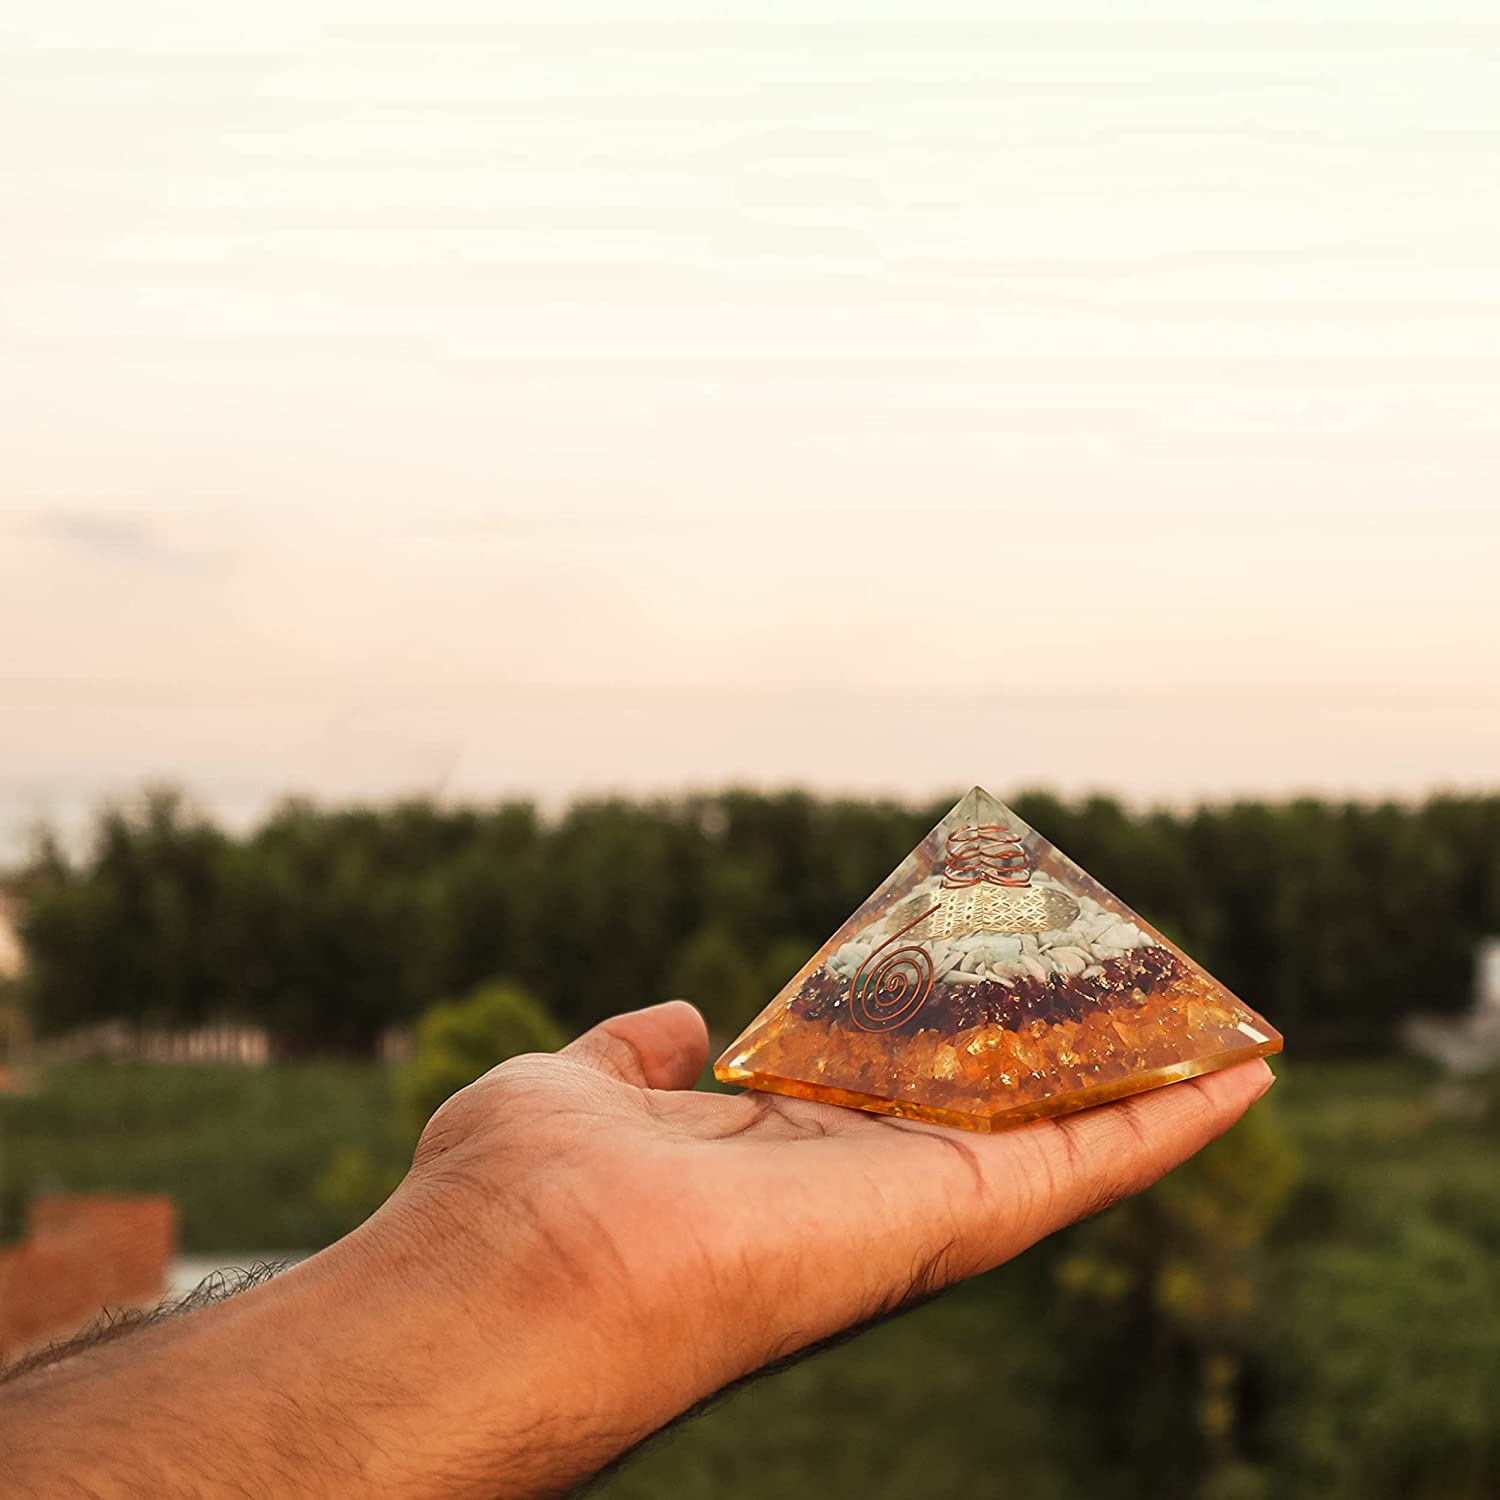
[(439, 398)]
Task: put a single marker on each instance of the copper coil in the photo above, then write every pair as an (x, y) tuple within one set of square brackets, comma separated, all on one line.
[(984, 853), (892, 984)]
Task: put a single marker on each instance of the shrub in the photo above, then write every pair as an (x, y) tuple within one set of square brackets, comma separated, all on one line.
[(458, 1040)]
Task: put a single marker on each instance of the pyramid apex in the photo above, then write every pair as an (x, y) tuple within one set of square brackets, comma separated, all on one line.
[(977, 805)]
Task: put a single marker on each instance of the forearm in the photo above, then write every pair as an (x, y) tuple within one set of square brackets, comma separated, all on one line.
[(241, 1396), (409, 1360), (356, 1373)]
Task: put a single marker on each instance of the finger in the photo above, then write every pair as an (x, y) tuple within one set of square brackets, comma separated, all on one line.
[(661, 1047), (1062, 1170)]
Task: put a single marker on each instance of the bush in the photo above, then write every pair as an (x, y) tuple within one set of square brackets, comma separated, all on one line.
[(1383, 1357), (458, 1040)]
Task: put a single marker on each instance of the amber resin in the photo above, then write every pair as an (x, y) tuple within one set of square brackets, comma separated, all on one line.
[(990, 980)]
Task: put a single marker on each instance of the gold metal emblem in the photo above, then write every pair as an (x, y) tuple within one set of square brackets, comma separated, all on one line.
[(991, 908)]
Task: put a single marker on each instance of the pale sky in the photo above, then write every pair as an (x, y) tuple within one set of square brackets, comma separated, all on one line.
[(475, 398)]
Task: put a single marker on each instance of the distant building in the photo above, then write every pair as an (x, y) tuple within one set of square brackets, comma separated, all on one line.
[(1487, 975), (1468, 1043), (12, 958), (14, 1034), (83, 1255)]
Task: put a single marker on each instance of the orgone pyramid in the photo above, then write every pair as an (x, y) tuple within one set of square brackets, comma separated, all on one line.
[(988, 981)]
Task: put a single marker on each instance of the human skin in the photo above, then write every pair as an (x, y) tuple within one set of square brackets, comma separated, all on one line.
[(581, 1250)]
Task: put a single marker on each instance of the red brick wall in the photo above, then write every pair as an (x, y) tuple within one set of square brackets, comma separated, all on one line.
[(82, 1253)]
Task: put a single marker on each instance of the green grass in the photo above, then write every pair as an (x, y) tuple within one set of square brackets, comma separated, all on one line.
[(241, 1149), (929, 1404), (1383, 1143)]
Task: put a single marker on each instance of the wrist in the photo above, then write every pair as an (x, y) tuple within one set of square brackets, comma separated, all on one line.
[(541, 1347)]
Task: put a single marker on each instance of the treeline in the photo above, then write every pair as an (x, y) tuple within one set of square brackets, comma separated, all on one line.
[(327, 926)]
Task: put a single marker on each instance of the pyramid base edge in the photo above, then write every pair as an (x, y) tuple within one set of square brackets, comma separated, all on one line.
[(1057, 1104)]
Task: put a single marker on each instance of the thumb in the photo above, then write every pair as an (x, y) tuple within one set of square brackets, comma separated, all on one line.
[(661, 1047)]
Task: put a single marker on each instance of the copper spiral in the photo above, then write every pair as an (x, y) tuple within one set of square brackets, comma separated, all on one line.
[(892, 984), (984, 854)]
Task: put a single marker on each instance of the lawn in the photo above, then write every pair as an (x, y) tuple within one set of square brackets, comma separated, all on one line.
[(945, 1401), (240, 1149)]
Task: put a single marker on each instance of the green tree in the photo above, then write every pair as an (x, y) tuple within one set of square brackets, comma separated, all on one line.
[(133, 929), (615, 887), (335, 938), (720, 977), (1161, 1292)]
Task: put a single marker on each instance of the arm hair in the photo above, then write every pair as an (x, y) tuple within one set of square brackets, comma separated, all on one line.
[(112, 1324)]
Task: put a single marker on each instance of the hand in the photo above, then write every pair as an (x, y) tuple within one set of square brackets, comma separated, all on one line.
[(685, 1239), (580, 1251)]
